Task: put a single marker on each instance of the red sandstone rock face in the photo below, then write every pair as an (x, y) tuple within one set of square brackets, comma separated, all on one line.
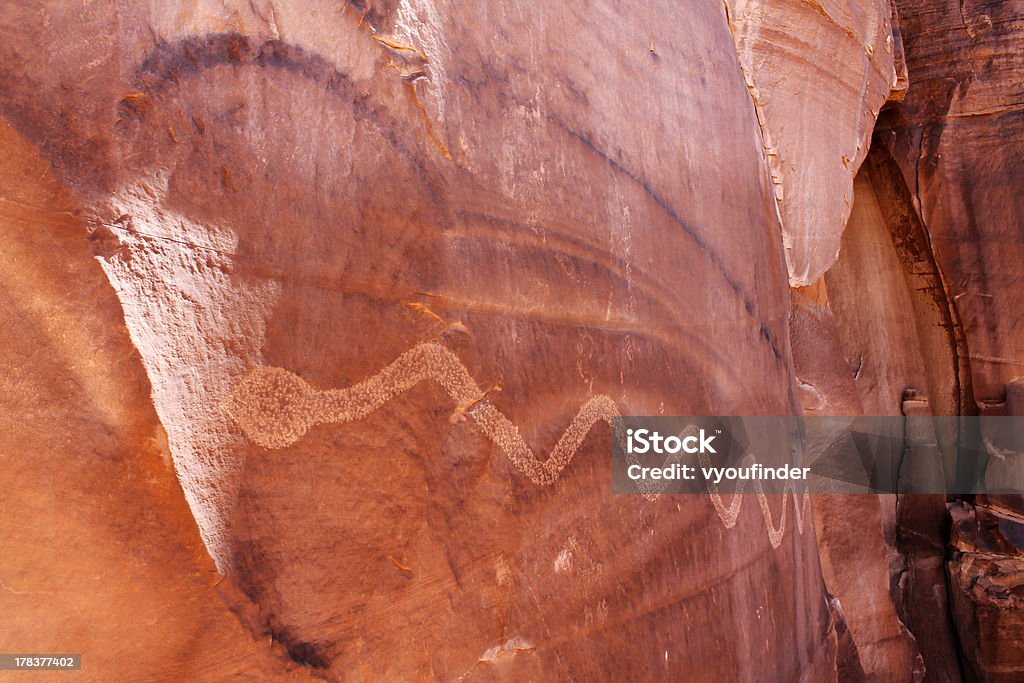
[(377, 261), (958, 139), (283, 188), (100, 555)]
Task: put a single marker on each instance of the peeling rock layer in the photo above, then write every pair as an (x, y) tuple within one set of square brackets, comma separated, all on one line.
[(818, 74), (986, 573)]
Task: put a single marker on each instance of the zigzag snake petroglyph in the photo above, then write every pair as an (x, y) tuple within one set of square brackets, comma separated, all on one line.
[(275, 407)]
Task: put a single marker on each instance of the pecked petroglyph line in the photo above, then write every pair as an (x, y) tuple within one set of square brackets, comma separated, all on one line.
[(730, 514), (275, 407)]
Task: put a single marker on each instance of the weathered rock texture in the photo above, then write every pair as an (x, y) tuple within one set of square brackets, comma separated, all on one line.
[(501, 224), (987, 588)]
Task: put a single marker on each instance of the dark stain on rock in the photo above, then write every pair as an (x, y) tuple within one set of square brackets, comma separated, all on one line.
[(303, 652)]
